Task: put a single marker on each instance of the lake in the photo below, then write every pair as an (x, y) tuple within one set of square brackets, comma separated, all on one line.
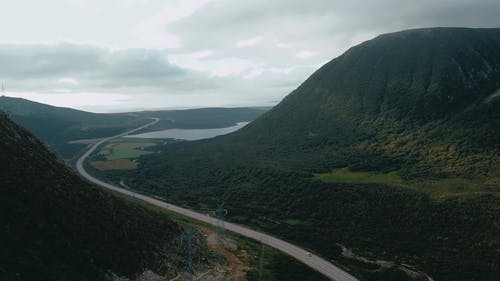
[(189, 134)]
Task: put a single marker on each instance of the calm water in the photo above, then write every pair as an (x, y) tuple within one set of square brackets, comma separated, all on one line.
[(189, 134)]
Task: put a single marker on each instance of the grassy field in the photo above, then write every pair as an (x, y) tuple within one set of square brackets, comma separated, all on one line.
[(125, 150), (295, 222), (117, 164), (345, 176), (455, 187), (119, 155), (438, 188)]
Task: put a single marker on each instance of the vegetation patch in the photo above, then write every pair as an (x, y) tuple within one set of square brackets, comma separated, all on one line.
[(457, 187), (136, 145), (270, 264), (493, 97), (438, 188), (295, 222), (126, 150), (118, 164), (344, 175)]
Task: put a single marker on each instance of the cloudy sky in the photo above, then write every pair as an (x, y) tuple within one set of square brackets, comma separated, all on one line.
[(116, 55)]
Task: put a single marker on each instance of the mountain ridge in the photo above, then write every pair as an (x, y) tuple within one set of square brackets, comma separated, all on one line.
[(403, 90)]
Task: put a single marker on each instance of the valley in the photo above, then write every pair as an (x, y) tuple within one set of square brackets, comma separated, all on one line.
[(377, 151), (383, 165), (316, 263)]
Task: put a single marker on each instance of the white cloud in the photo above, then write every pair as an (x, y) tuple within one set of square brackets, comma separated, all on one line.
[(48, 67), (305, 54), (202, 54), (283, 45), (218, 67), (154, 31), (249, 42), (231, 66), (206, 52), (255, 72), (68, 81)]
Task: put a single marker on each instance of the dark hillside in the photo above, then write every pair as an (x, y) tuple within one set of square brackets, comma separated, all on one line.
[(54, 226)]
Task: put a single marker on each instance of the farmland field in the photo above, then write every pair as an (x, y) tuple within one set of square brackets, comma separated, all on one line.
[(118, 164), (119, 155), (125, 150)]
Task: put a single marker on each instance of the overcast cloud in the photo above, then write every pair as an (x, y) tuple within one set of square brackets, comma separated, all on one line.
[(138, 54)]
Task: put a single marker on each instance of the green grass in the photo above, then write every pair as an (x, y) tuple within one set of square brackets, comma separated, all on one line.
[(295, 222), (121, 153), (437, 189), (493, 97), (274, 264), (345, 176), (455, 187), (125, 153)]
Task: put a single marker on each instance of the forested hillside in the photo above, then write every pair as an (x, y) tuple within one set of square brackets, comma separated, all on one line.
[(391, 149), (55, 226)]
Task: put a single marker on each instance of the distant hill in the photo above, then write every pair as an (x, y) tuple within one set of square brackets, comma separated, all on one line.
[(56, 126), (54, 226), (409, 123)]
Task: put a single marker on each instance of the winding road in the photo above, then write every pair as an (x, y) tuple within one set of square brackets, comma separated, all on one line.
[(317, 263)]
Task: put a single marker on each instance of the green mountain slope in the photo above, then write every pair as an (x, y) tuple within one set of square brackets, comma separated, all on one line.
[(54, 226), (423, 102), (420, 104), (416, 100)]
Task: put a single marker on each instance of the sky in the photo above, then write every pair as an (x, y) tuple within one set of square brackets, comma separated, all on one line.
[(120, 55)]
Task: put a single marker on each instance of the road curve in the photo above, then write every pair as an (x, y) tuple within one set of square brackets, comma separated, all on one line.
[(317, 263)]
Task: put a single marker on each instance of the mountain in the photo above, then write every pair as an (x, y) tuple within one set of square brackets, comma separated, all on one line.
[(55, 226), (57, 126), (390, 150), (422, 101)]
